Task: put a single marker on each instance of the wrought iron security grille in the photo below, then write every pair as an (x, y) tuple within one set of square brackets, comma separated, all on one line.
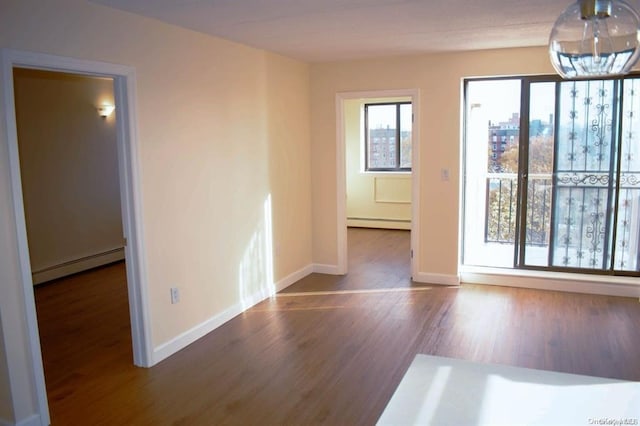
[(585, 166), (627, 231), (596, 186)]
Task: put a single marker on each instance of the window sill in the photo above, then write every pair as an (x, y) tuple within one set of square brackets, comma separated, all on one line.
[(548, 280)]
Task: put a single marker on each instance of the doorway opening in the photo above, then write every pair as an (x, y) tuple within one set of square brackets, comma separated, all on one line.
[(127, 160), (378, 176), (69, 171), (72, 208)]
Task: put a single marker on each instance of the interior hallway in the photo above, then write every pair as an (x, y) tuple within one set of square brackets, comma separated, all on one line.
[(377, 259), (332, 358)]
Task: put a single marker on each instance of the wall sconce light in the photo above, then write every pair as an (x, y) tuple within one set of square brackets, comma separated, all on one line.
[(105, 110), (595, 38)]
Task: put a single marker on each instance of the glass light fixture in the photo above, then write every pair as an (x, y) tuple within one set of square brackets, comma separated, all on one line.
[(595, 38)]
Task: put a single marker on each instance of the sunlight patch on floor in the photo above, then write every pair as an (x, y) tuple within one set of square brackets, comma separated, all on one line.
[(365, 291)]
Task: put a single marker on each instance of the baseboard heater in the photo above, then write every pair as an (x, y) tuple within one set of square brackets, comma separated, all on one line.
[(77, 265), (368, 222)]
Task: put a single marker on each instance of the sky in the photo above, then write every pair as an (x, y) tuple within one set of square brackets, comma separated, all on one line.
[(383, 116), (501, 98)]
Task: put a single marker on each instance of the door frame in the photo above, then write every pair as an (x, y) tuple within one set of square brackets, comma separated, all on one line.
[(129, 175), (341, 172)]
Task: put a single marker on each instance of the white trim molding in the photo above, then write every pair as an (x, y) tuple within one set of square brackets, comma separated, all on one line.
[(131, 201), (34, 420), (358, 222), (341, 188), (439, 279), (319, 268), (78, 265), (294, 278), (183, 340), (556, 281)]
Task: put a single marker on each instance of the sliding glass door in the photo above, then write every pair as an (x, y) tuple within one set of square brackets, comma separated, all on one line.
[(562, 181), (538, 166), (626, 234)]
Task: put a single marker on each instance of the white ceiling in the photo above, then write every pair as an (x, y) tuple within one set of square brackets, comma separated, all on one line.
[(326, 30)]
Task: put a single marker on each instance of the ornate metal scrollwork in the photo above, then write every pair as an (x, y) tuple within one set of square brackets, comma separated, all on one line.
[(578, 179)]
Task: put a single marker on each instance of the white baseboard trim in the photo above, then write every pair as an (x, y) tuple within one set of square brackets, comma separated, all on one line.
[(185, 339), (608, 286), (326, 269), (439, 279), (79, 265), (34, 420), (294, 277), (379, 223)]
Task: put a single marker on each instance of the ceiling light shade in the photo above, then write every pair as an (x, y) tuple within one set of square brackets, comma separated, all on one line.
[(595, 38)]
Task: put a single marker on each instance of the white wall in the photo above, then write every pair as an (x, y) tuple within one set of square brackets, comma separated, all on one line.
[(223, 133), (438, 77), (69, 170), (374, 200)]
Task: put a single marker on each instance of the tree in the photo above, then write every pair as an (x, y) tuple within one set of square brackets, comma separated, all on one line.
[(501, 208), (540, 156)]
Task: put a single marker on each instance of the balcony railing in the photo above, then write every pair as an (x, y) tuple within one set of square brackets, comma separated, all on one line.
[(501, 208)]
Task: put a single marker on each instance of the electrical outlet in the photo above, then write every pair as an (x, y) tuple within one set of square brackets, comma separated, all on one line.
[(175, 295)]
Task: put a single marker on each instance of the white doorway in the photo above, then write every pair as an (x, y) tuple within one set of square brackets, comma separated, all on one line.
[(124, 93), (345, 102)]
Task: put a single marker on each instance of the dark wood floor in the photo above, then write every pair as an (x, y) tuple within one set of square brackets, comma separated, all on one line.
[(331, 357), (378, 259)]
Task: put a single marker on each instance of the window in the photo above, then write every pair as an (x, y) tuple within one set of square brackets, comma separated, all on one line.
[(387, 129), (565, 195)]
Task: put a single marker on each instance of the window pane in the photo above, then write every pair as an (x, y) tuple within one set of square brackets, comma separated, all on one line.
[(406, 119), (381, 120), (628, 226), (540, 169), (491, 164)]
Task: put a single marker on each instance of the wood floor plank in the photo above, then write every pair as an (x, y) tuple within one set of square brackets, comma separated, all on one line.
[(328, 350)]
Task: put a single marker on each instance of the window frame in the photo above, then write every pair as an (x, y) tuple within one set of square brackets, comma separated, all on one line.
[(519, 262), (398, 141)]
